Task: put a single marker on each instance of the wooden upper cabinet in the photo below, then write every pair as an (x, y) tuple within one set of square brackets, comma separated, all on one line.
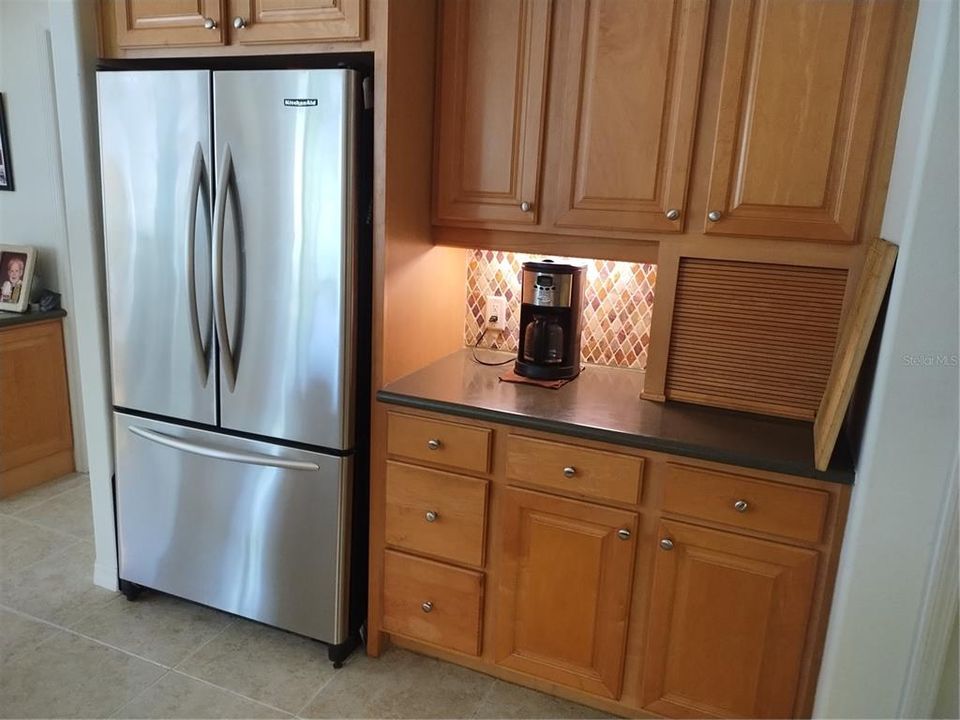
[(565, 587), (799, 100), (728, 624), (283, 21), (491, 92), (630, 85), (158, 23)]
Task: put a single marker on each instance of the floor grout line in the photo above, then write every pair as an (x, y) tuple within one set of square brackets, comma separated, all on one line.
[(315, 695), (46, 499), (232, 692), (231, 622), (62, 533), (7, 574), (116, 711)]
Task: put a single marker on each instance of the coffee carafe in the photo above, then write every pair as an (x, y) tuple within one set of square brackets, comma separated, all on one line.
[(550, 315)]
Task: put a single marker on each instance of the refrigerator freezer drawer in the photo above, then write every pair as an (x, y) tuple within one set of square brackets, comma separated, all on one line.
[(251, 528)]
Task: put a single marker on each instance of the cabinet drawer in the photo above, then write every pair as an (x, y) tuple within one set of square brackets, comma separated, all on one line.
[(435, 441), (789, 511), (433, 602), (580, 470), (436, 513)]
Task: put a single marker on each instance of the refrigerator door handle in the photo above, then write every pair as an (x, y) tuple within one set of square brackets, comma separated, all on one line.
[(196, 186), (219, 303), (220, 453)]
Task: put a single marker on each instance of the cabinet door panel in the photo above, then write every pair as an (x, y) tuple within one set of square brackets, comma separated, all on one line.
[(800, 96), (490, 110), (280, 21), (565, 590), (153, 23), (728, 622), (631, 84)]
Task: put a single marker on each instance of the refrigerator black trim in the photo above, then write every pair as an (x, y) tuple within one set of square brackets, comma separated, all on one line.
[(361, 61), (235, 433)]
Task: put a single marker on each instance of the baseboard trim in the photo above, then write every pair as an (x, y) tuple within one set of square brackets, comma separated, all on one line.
[(105, 576)]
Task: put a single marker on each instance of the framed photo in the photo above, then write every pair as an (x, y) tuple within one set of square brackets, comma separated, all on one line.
[(16, 276), (6, 172)]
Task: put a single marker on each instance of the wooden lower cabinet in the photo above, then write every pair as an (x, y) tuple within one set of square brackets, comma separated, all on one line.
[(36, 437), (564, 595), (728, 622), (638, 582)]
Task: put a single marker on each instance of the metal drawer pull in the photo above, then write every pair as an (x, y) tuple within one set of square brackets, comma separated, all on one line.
[(209, 24), (239, 23), (433, 444), (714, 215), (741, 506), (569, 472), (666, 544), (672, 214), (427, 606), (623, 534), (525, 207), (432, 516)]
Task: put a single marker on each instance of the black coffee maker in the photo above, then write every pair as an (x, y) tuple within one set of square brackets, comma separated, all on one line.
[(550, 315)]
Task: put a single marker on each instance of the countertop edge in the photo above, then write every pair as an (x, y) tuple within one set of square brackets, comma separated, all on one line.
[(14, 319), (610, 436)]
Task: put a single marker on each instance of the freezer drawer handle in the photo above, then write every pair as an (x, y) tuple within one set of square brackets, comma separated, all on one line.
[(227, 360), (220, 454), (197, 187)]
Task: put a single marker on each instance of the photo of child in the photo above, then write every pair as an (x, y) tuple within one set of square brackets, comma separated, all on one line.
[(13, 266)]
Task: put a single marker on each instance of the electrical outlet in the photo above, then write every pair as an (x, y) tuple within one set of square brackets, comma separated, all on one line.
[(496, 306)]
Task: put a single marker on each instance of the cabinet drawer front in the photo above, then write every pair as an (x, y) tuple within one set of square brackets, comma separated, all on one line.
[(784, 510), (439, 442), (573, 469), (433, 602), (436, 513)]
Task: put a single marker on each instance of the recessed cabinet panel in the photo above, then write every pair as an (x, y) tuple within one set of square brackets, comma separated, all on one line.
[(565, 587), (728, 623), (631, 76), (281, 21), (799, 99), (158, 23), (492, 86)]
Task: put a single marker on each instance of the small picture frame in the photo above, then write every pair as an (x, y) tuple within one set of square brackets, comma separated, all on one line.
[(16, 276), (6, 170)]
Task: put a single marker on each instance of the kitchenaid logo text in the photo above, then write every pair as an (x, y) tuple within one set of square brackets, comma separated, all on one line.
[(300, 102)]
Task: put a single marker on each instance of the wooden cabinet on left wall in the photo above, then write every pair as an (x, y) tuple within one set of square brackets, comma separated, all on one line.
[(158, 24)]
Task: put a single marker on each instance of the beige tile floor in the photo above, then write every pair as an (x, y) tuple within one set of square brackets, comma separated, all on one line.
[(70, 649)]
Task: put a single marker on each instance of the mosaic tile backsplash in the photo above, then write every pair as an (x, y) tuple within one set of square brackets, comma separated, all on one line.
[(618, 305)]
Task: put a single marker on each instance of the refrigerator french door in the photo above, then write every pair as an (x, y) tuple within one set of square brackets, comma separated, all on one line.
[(229, 212)]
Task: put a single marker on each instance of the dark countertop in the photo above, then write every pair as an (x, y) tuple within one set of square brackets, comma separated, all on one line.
[(8, 319), (604, 404)]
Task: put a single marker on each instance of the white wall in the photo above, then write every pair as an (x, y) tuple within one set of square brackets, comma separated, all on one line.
[(34, 214), (47, 61), (891, 612)]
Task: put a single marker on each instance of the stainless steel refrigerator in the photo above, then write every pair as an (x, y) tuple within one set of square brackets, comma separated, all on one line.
[(229, 222)]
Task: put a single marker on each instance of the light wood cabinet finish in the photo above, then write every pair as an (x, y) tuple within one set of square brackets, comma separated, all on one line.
[(490, 104), (799, 101), (735, 500), (36, 436), (630, 73), (285, 21), (564, 592), (728, 622), (429, 601), (435, 441), (157, 23), (574, 469), (436, 513)]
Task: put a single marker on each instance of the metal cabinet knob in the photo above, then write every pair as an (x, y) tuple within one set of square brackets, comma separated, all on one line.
[(239, 23), (714, 215), (525, 206), (433, 444), (741, 506), (432, 516), (210, 23), (427, 606), (666, 544), (569, 472), (623, 534), (672, 214)]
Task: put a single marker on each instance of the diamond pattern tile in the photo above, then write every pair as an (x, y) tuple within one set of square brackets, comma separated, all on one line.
[(618, 305)]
